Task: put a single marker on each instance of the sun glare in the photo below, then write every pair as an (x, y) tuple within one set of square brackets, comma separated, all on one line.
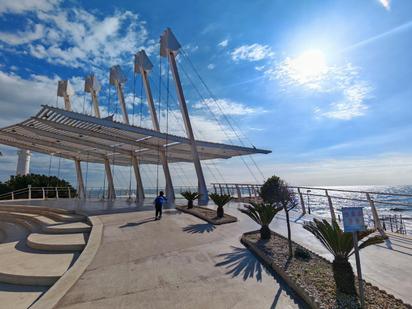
[(308, 67)]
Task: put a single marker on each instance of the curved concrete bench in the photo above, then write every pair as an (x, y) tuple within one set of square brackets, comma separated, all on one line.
[(53, 213), (47, 224), (24, 266), (57, 242)]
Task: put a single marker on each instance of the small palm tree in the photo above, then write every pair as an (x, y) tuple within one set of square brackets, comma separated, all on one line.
[(190, 196), (220, 200), (262, 214), (340, 244)]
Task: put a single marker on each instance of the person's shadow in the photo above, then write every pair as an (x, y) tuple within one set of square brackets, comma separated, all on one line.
[(134, 224)]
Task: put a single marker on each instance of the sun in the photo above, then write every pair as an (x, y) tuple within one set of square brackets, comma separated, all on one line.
[(308, 67)]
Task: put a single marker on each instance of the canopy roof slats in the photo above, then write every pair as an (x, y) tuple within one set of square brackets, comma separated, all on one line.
[(73, 135)]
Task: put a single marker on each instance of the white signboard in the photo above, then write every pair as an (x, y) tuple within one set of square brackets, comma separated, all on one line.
[(353, 220)]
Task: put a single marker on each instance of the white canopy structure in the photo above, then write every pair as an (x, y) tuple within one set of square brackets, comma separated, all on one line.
[(74, 135), (81, 137)]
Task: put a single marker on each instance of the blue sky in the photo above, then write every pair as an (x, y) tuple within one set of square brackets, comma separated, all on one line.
[(325, 85)]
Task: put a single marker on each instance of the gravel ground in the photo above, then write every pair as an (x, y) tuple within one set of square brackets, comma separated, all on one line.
[(316, 276), (207, 214)]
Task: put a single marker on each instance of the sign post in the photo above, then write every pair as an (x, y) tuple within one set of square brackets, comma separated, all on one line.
[(353, 222)]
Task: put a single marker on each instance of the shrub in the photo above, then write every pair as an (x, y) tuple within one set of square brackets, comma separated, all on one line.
[(262, 214), (302, 254), (190, 197), (220, 200)]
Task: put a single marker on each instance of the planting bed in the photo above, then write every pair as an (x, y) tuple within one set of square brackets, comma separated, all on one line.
[(312, 279), (207, 214)]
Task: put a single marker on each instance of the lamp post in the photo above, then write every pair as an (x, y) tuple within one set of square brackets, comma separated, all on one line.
[(307, 194)]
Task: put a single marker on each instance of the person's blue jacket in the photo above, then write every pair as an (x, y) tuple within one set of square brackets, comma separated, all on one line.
[(160, 200)]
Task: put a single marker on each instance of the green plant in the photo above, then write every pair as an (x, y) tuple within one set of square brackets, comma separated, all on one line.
[(303, 254), (220, 200), (190, 196), (276, 191), (262, 214), (340, 244)]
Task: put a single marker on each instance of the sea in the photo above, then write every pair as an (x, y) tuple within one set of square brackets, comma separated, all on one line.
[(394, 210)]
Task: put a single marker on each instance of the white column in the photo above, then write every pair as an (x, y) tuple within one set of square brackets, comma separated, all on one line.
[(139, 184), (23, 162), (143, 66), (111, 194), (92, 86), (169, 48), (65, 90), (80, 184)]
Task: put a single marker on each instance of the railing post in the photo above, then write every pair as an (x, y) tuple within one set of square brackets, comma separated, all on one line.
[(239, 194), (254, 191), (57, 192), (331, 209), (29, 186), (214, 188), (227, 189), (250, 192), (69, 194), (375, 215), (221, 190), (302, 203), (43, 193)]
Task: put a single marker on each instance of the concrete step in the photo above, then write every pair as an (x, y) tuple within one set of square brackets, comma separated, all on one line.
[(47, 224), (67, 228), (13, 231), (22, 265), (19, 296), (57, 242), (39, 208), (44, 211)]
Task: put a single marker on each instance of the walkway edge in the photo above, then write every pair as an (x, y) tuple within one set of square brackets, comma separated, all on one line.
[(52, 297)]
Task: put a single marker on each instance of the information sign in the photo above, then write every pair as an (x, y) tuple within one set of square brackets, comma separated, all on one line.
[(353, 220)]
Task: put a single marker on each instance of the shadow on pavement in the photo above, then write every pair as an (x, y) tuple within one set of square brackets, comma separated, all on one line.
[(199, 228), (133, 224), (242, 262)]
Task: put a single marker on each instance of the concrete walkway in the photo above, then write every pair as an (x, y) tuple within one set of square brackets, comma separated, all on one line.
[(183, 262), (178, 262)]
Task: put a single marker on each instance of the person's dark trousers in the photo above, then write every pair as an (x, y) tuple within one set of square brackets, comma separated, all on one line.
[(158, 211)]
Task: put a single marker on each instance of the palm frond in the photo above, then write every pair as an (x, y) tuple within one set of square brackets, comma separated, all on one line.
[(190, 196), (261, 213), (220, 199)]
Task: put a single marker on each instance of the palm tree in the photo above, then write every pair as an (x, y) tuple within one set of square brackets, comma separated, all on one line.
[(220, 200), (340, 244), (190, 196), (262, 214)]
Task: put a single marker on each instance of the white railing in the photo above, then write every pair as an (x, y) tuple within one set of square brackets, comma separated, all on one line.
[(39, 193), (381, 208)]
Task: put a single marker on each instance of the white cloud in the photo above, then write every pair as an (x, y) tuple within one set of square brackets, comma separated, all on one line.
[(224, 43), (211, 66), (74, 37), (21, 37), (21, 6), (386, 4), (226, 107), (313, 74), (253, 52)]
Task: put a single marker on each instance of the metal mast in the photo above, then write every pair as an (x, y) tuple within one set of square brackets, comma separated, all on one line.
[(93, 86), (117, 78), (143, 66), (65, 90), (169, 47)]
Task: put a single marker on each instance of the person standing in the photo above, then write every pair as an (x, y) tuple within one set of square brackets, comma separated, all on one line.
[(158, 202)]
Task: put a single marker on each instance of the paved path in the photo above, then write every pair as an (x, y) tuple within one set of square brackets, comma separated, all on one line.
[(182, 262), (178, 262)]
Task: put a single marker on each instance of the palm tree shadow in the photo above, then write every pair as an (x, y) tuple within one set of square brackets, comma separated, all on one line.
[(242, 262), (199, 228)]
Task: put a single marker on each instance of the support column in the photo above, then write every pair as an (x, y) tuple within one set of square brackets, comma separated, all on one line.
[(142, 65), (117, 78), (302, 202), (65, 90), (111, 194), (80, 184), (92, 86), (23, 162), (139, 185), (169, 48)]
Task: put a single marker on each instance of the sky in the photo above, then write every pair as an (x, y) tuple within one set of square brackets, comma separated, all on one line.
[(324, 85)]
